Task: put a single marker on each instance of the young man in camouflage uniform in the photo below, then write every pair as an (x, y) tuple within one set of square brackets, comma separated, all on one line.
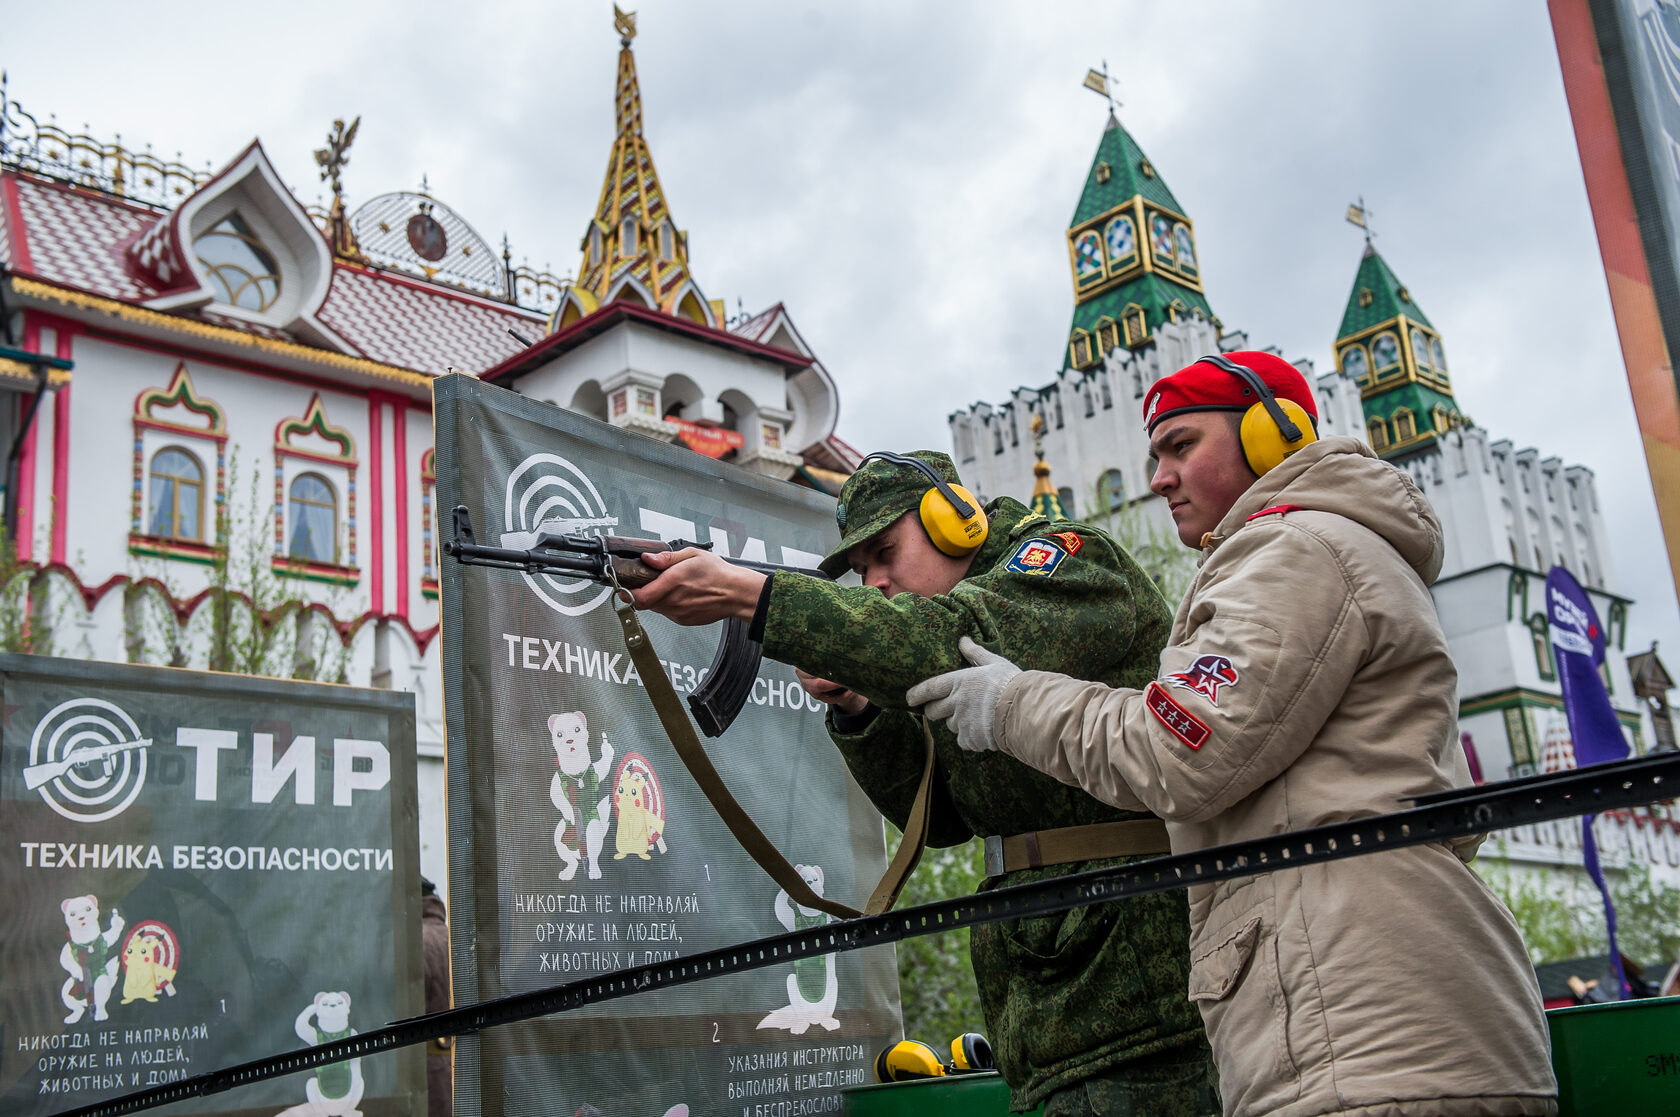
[(1087, 1010)]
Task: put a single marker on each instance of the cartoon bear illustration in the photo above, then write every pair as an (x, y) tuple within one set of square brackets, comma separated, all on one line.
[(640, 809), (336, 1089), (813, 988), (578, 793), (144, 973), (88, 957)]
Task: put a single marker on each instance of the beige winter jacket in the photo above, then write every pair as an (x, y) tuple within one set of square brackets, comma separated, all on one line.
[(1306, 682)]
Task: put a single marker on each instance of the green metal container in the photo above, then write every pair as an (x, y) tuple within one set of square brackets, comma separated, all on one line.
[(1617, 1059), (959, 1095)]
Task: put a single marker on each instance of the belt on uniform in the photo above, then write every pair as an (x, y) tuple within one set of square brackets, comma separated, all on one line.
[(1096, 842)]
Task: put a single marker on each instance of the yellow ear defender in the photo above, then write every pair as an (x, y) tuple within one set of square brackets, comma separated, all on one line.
[(950, 514), (1272, 429), (906, 1061), (971, 1052)]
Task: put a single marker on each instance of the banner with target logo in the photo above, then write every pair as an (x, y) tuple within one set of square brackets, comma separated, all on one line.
[(201, 870), (578, 842)]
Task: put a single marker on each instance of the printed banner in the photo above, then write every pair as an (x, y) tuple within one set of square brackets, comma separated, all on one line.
[(1595, 734), (578, 842), (200, 870)]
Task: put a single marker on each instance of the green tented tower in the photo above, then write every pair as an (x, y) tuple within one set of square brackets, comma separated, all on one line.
[(1132, 251), (1387, 345)]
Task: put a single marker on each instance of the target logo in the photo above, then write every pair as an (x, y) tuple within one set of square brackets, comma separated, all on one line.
[(548, 495), (87, 759)]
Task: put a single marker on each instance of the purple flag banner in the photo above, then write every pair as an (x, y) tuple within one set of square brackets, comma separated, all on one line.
[(1578, 648)]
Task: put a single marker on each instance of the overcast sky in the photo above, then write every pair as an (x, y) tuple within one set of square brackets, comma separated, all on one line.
[(901, 175)]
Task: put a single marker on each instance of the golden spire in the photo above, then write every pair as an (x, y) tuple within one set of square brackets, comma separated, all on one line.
[(632, 231), (1045, 500)]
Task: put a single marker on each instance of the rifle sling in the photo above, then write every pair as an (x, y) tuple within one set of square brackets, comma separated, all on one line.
[(681, 732)]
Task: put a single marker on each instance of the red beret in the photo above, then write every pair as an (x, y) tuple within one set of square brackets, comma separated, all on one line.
[(1204, 386)]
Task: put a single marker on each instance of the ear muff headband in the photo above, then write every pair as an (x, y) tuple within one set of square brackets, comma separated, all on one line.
[(1272, 429), (949, 513)]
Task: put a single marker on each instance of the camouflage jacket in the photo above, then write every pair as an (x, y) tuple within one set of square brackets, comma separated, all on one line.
[(1069, 996)]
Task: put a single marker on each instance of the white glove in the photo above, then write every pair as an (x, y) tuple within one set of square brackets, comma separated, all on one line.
[(966, 699)]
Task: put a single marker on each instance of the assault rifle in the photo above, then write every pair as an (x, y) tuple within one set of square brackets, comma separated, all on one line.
[(615, 560)]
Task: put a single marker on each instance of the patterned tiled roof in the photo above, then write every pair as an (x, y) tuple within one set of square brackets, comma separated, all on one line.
[(402, 322), (77, 239)]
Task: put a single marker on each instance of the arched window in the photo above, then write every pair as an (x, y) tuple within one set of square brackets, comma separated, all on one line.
[(1385, 352), (242, 270), (313, 515), (1354, 363), (1087, 257), (1161, 239), (1420, 350), (594, 244), (1442, 421), (1065, 495), (1121, 239), (1405, 425), (1112, 490), (1539, 637), (1108, 335), (1377, 431), (667, 241), (1440, 356), (1186, 252), (627, 237), (176, 501)]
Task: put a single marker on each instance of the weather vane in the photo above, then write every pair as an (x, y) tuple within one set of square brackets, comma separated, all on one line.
[(333, 157), (332, 160), (625, 22), (1097, 81), (1357, 214)]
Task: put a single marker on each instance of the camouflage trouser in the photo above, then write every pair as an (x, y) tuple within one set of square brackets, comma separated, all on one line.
[(1187, 1089)]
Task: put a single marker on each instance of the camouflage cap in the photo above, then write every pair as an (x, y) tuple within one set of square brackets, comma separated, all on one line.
[(877, 495)]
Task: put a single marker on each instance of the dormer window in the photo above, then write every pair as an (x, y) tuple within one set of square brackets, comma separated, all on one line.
[(241, 269), (1135, 326), (667, 241), (627, 237), (594, 244)]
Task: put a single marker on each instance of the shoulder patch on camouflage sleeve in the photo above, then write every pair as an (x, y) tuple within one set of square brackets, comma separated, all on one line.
[(1070, 540), (1181, 723), (1038, 557)]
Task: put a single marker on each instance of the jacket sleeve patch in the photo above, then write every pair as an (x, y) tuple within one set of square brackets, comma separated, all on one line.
[(1038, 557), (1068, 539), (1181, 723), (1206, 676)]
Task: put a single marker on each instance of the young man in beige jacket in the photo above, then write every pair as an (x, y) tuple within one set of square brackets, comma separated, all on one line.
[(1306, 681)]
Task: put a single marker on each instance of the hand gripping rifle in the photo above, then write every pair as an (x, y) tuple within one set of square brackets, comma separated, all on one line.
[(615, 560)]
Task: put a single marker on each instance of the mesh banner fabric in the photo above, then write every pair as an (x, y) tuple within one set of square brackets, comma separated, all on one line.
[(202, 869), (578, 843)]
